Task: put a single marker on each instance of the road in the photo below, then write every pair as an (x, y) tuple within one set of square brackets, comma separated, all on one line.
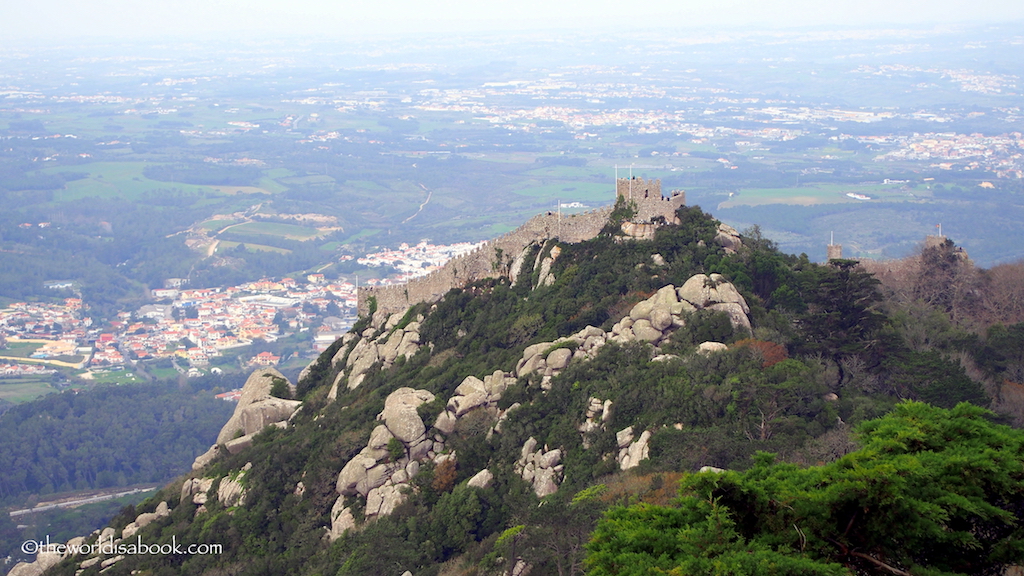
[(80, 501)]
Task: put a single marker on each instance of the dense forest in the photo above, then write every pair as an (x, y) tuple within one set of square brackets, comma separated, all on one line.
[(848, 429), (106, 437)]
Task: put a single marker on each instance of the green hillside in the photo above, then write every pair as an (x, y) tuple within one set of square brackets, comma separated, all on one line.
[(491, 431)]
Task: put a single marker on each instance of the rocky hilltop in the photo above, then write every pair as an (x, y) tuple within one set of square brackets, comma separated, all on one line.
[(485, 430)]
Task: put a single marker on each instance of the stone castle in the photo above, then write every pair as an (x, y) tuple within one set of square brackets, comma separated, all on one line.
[(487, 261)]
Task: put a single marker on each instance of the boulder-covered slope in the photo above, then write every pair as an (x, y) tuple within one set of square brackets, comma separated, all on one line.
[(439, 439)]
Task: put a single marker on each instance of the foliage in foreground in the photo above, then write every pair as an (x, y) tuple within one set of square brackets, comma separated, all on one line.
[(932, 492)]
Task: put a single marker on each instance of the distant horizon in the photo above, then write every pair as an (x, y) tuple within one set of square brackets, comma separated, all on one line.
[(131, 21), (695, 34)]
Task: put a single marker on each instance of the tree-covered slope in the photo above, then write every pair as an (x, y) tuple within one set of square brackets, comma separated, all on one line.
[(486, 433)]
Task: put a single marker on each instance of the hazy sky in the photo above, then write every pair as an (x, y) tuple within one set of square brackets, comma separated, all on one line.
[(63, 19)]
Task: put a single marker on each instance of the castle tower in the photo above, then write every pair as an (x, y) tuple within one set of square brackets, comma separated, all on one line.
[(646, 195), (834, 251), (637, 189)]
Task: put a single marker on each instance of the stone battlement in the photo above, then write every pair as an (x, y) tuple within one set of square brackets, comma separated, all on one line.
[(488, 261)]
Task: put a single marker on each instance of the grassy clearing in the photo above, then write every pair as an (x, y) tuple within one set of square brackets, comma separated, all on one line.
[(224, 245), (18, 390), (289, 231), (365, 185), (365, 233), (18, 349), (117, 377), (163, 373), (307, 180), (279, 173), (116, 179)]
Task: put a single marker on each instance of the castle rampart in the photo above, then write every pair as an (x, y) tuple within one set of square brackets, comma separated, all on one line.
[(484, 262)]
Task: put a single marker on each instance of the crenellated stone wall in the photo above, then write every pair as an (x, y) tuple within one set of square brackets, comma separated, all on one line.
[(484, 262)]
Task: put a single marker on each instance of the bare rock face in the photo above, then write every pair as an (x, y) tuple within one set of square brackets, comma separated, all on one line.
[(256, 408), (715, 293), (728, 238), (383, 500), (709, 348), (353, 478), (364, 355), (481, 479), (142, 520), (231, 492), (341, 519), (546, 277), (516, 269), (400, 415), (375, 473), (735, 312), (559, 359), (550, 358), (205, 458), (696, 291), (383, 342), (633, 452), (639, 231)]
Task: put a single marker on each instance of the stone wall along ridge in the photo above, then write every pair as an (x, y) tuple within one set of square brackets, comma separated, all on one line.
[(484, 261)]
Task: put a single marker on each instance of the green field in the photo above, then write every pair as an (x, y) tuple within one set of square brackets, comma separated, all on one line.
[(116, 179), (117, 377), (314, 180), (364, 233), (20, 349), (224, 245), (23, 389), (289, 231), (163, 373), (818, 194), (365, 185)]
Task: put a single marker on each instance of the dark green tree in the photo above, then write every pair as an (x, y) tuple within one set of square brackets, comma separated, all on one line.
[(932, 491)]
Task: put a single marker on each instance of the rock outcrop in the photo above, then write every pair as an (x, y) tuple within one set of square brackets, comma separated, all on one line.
[(256, 410), (473, 394), (382, 342), (144, 519), (546, 277), (542, 468), (481, 479), (598, 414), (376, 473), (714, 292), (45, 559), (709, 348), (550, 358), (631, 451), (728, 238)]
